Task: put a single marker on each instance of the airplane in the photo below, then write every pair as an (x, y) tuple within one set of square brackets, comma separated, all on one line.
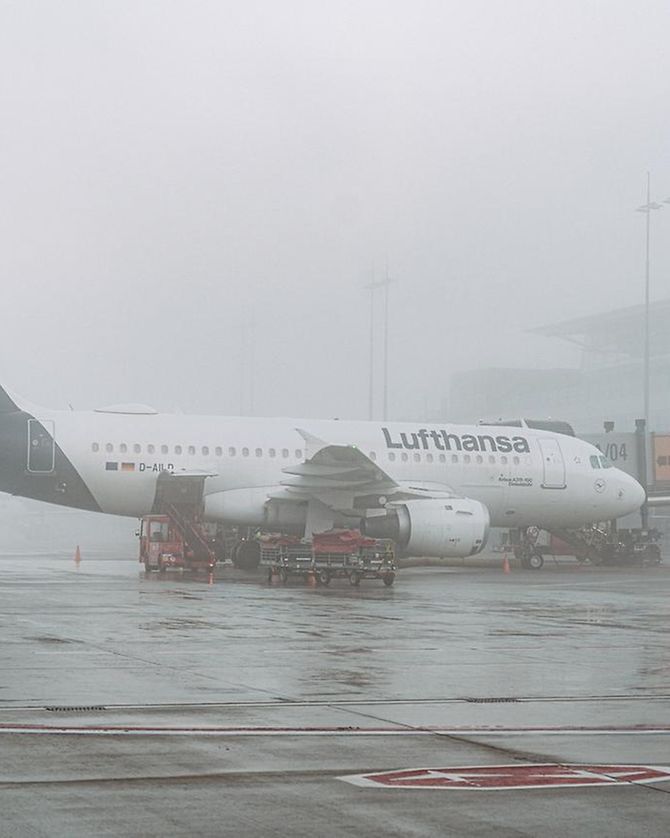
[(434, 488)]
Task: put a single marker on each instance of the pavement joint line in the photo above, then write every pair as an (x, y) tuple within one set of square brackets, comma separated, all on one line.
[(289, 702)]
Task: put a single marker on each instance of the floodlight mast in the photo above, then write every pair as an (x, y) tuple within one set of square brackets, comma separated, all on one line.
[(647, 210), (372, 287)]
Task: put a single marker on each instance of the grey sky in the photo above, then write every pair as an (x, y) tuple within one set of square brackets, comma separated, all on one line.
[(171, 170)]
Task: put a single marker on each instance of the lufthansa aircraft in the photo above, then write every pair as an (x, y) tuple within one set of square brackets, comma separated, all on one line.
[(435, 489)]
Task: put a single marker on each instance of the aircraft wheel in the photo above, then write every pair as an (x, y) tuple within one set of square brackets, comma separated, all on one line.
[(535, 561), (389, 579), (247, 555), (323, 577)]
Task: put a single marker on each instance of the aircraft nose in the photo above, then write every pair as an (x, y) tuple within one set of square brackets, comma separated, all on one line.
[(631, 493)]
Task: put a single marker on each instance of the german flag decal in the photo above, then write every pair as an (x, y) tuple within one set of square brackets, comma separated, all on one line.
[(127, 466)]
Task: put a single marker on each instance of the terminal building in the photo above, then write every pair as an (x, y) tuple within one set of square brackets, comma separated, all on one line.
[(607, 384)]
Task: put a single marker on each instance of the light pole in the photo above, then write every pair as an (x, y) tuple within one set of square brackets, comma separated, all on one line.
[(647, 210), (386, 282), (372, 287), (371, 372)]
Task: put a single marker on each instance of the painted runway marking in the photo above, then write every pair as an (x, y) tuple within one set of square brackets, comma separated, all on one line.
[(515, 776), (140, 730)]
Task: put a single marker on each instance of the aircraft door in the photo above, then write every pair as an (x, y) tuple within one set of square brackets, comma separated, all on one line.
[(41, 446), (553, 464)]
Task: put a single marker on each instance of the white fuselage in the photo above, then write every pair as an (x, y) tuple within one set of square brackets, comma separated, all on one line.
[(523, 476)]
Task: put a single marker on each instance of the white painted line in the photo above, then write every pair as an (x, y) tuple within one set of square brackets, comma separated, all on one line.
[(134, 730)]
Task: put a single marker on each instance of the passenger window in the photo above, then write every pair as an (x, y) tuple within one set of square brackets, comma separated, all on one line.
[(443, 458), (164, 449), (466, 458), (391, 456), (284, 452), (594, 461), (480, 459), (245, 452), (177, 449), (492, 459), (205, 450), (191, 450), (298, 453), (109, 448), (516, 461), (259, 452), (272, 452), (231, 452), (151, 449), (218, 451), (137, 448), (503, 460), (123, 448), (429, 458), (372, 456), (417, 458), (454, 458), (95, 447), (404, 457)]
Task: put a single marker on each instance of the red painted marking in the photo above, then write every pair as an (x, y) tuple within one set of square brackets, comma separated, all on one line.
[(513, 776)]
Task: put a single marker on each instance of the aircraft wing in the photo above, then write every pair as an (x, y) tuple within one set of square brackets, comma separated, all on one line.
[(335, 474)]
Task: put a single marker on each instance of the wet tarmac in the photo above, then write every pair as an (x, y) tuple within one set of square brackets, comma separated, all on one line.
[(165, 706)]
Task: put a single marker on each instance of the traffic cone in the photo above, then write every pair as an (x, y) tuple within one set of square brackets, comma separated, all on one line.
[(506, 567), (77, 556)]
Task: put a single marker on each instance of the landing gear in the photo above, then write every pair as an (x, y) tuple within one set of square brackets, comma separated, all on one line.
[(354, 579), (323, 577), (530, 559), (525, 548), (389, 579), (247, 555)]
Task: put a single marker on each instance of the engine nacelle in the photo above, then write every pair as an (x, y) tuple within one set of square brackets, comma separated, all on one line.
[(452, 527)]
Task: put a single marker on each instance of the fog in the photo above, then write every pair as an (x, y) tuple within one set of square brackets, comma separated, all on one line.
[(182, 181)]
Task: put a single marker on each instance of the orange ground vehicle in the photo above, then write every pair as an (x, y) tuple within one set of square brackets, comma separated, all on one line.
[(164, 545)]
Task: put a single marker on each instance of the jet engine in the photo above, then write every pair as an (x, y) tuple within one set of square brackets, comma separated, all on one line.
[(450, 527)]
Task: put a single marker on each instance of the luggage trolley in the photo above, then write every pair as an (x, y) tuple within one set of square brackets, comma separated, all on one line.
[(286, 556), (348, 554), (334, 554)]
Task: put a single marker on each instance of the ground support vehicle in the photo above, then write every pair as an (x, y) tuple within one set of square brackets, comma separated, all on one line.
[(336, 554), (600, 544), (175, 542)]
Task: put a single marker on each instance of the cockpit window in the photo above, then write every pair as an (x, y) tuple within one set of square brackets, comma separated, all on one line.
[(605, 463), (595, 462)]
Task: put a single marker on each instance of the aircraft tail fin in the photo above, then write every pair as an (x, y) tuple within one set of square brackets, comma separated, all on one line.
[(7, 403)]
